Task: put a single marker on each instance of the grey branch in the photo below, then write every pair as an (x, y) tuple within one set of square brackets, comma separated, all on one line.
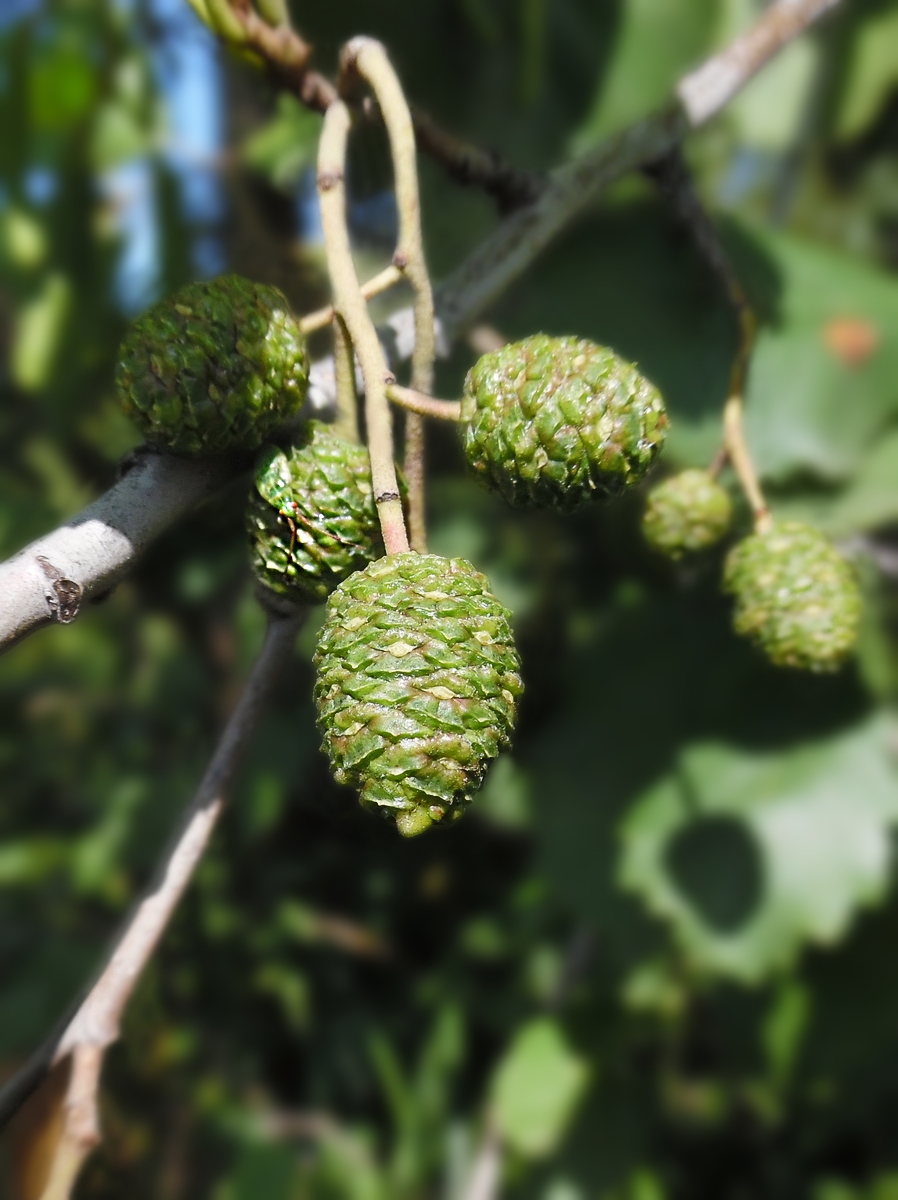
[(51, 578), (95, 1022), (706, 91)]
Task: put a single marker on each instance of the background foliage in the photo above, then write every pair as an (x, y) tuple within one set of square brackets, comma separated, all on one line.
[(661, 947)]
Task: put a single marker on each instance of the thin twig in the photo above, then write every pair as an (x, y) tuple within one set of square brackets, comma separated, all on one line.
[(704, 92), (350, 305), (486, 1172), (347, 422), (426, 406), (367, 59), (674, 179), (96, 1021), (100, 544), (381, 282), (740, 459)]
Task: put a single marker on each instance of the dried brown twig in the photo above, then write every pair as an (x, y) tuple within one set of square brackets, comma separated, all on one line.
[(96, 1022)]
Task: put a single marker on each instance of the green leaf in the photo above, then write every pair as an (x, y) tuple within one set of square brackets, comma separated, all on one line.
[(117, 136), (63, 85), (23, 239), (282, 148), (536, 1088), (264, 1171), (38, 331), (871, 499), (769, 113), (873, 73), (818, 819), (812, 409), (658, 41)]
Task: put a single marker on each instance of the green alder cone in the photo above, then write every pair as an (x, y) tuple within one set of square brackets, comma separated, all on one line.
[(688, 512), (417, 687), (221, 364), (554, 422), (311, 515), (796, 597)]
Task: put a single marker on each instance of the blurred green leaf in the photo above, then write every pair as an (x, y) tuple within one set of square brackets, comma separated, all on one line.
[(63, 85), (264, 1171), (872, 73), (819, 816), (805, 379), (536, 1088), (287, 144), (871, 499), (117, 136), (23, 238), (658, 40), (38, 332), (769, 113)]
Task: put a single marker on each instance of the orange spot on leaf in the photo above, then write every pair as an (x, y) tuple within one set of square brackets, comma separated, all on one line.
[(852, 340)]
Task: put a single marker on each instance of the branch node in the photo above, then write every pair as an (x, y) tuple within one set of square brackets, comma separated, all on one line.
[(64, 595)]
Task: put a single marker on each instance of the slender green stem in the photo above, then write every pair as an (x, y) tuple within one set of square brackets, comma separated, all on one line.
[(347, 423), (426, 406), (372, 287), (224, 21), (740, 459), (673, 177), (350, 305), (368, 59), (733, 426)]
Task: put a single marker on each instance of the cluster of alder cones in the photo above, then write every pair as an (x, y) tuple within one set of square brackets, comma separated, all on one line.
[(418, 676)]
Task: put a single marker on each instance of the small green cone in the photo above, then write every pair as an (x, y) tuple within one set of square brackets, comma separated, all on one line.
[(219, 365), (555, 422), (311, 515), (796, 597), (687, 512), (417, 685)]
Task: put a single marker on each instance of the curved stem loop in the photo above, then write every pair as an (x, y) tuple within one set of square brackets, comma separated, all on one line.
[(351, 307), (367, 58)]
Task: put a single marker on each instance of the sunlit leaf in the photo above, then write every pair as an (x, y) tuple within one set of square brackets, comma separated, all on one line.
[(536, 1088), (872, 73), (38, 329), (657, 42), (286, 145), (819, 819)]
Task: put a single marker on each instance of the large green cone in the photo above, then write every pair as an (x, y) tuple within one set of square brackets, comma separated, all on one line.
[(417, 685), (557, 422), (687, 512), (311, 516), (219, 365), (796, 597)]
